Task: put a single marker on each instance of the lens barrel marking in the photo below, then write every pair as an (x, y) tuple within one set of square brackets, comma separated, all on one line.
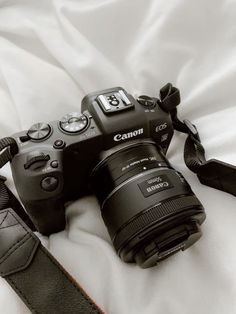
[(155, 185)]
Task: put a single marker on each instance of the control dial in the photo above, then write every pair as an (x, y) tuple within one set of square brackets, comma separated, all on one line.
[(39, 131), (74, 122), (36, 160)]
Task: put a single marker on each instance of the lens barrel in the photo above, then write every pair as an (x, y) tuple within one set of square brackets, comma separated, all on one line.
[(148, 207)]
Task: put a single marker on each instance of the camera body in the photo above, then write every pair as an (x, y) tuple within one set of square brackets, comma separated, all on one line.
[(55, 159)]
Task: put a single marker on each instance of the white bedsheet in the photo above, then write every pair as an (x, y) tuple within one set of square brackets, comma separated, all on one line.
[(54, 52)]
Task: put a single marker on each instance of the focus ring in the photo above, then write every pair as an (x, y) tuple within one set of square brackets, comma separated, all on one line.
[(154, 215)]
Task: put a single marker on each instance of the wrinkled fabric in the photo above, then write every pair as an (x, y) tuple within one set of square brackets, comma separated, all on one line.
[(54, 52)]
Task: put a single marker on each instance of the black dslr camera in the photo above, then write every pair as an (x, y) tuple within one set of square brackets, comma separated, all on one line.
[(116, 148)]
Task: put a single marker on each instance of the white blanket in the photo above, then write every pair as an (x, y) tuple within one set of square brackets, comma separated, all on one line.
[(54, 52)]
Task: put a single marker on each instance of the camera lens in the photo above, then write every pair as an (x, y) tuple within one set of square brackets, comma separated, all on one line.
[(148, 207)]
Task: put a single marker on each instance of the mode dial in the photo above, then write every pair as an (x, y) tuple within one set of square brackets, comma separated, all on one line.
[(147, 101), (74, 122), (39, 131)]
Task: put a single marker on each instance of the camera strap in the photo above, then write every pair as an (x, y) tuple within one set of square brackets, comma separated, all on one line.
[(35, 275), (8, 149), (213, 172)]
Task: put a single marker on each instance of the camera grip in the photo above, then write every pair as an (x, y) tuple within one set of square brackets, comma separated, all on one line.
[(47, 215)]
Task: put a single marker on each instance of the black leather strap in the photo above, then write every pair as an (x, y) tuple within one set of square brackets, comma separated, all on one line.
[(213, 173), (35, 275), (8, 149)]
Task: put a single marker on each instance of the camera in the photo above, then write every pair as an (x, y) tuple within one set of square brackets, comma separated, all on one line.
[(116, 148)]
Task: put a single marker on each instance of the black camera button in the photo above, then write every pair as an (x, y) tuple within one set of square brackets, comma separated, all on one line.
[(54, 164), (49, 184), (24, 138), (58, 144)]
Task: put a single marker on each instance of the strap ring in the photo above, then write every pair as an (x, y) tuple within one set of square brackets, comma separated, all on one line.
[(3, 179), (192, 130)]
